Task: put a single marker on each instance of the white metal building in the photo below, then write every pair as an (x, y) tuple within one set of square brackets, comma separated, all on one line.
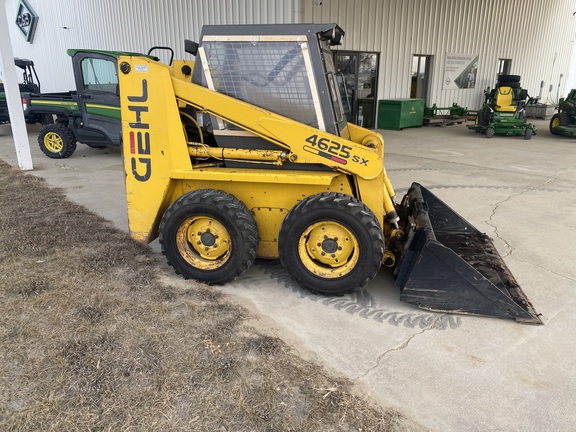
[(416, 42)]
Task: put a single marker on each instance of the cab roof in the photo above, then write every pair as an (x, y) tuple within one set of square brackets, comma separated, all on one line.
[(73, 52)]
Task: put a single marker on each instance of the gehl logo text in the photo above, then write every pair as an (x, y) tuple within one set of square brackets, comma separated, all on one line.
[(140, 139)]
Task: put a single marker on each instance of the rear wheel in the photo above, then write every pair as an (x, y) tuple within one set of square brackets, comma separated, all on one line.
[(484, 116), (331, 243), (489, 132), (209, 235), (57, 141)]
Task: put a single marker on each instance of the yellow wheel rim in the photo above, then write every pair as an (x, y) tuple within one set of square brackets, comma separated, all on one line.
[(203, 242), (53, 142), (556, 122), (476, 121), (328, 249)]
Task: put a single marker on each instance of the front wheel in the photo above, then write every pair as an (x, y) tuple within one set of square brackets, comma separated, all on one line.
[(528, 132), (57, 141), (331, 243), (559, 119), (209, 235), (489, 132)]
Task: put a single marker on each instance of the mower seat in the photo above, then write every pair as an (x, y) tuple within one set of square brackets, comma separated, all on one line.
[(505, 100)]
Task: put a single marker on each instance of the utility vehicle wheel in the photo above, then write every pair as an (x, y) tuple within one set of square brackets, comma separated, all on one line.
[(528, 133), (331, 243), (57, 141), (209, 235), (489, 132)]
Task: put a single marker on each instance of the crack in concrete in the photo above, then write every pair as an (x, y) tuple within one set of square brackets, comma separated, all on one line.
[(400, 347), (546, 269), (509, 247)]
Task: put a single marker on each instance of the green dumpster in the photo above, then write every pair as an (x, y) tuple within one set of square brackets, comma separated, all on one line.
[(398, 114)]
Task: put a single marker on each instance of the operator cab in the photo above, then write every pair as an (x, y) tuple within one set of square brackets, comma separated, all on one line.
[(286, 69)]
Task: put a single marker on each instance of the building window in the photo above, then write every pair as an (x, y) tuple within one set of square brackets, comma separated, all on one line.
[(504, 66)]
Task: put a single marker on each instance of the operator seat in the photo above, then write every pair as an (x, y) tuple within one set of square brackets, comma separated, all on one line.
[(505, 100)]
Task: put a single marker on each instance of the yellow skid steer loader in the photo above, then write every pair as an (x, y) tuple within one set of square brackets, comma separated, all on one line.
[(247, 153)]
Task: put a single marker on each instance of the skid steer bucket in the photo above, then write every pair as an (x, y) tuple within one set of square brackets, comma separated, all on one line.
[(449, 266)]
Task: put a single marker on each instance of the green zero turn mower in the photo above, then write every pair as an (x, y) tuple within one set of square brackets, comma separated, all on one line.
[(503, 111), (564, 121)]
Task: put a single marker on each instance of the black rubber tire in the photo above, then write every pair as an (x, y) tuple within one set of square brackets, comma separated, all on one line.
[(512, 85), (226, 210), (46, 119), (489, 132), (555, 121), (66, 141), (528, 132), (484, 116), (341, 210), (509, 78), (559, 119)]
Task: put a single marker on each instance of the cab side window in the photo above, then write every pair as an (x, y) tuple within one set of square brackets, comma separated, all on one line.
[(99, 75)]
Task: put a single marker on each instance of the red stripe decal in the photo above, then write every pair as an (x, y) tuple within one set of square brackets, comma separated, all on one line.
[(132, 144)]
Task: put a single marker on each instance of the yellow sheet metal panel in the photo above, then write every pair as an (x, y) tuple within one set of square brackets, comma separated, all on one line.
[(324, 178), (269, 199), (153, 141)]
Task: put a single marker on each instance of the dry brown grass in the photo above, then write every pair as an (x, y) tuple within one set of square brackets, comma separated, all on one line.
[(93, 338)]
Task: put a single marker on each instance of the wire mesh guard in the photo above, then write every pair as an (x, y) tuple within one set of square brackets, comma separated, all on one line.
[(271, 75)]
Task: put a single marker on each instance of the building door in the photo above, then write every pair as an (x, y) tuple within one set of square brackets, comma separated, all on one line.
[(357, 74), (421, 68)]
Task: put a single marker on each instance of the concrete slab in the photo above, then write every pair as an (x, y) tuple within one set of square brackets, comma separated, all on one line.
[(446, 372)]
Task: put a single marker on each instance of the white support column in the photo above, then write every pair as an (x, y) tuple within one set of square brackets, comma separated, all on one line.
[(10, 80)]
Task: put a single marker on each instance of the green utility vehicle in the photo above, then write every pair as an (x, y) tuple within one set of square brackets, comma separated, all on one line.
[(30, 83), (90, 114), (503, 111), (564, 121)]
